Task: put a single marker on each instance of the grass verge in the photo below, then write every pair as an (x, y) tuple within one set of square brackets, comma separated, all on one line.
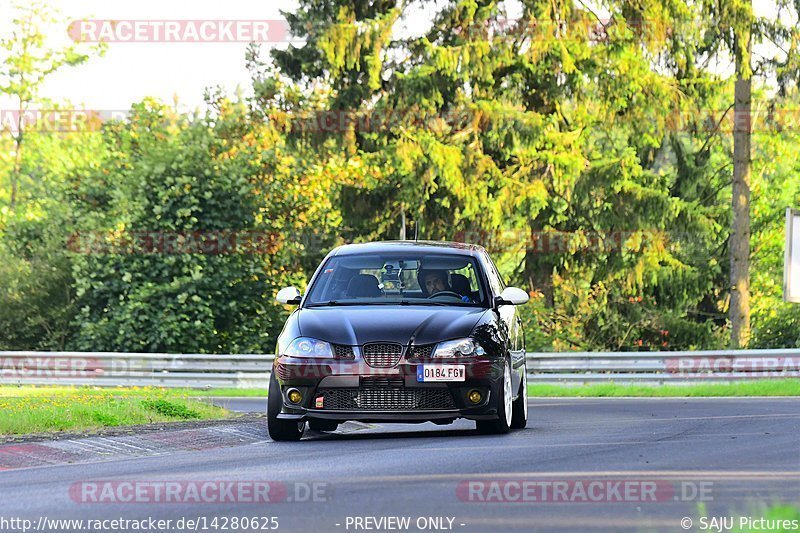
[(29, 409), (774, 387), (25, 410), (241, 393)]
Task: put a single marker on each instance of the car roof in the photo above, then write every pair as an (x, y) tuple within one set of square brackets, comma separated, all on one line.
[(443, 247)]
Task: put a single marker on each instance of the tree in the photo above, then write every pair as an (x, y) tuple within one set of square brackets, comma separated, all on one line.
[(539, 125), (189, 229), (776, 324), (28, 61), (742, 15), (733, 29)]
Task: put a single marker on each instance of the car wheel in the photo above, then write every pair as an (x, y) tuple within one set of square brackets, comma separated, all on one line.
[(280, 429), (504, 407), (519, 412), (323, 425)]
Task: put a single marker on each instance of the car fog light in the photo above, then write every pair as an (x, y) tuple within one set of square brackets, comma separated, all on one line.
[(474, 396), (294, 396)]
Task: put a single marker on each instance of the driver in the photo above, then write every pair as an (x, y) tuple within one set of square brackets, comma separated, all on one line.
[(435, 281)]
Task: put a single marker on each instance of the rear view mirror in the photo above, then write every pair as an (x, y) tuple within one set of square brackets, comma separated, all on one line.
[(288, 296)]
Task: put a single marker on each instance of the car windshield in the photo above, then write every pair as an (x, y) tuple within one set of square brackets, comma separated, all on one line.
[(410, 279)]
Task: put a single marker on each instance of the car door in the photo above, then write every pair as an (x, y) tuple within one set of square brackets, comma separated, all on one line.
[(510, 323)]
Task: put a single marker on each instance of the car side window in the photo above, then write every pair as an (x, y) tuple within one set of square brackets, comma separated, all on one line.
[(491, 273), (497, 273)]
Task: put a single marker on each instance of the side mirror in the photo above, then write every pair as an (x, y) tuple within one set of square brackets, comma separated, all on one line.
[(511, 296), (288, 296)]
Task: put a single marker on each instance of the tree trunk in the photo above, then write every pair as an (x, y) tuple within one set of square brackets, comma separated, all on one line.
[(538, 273), (740, 202), (14, 180), (15, 171)]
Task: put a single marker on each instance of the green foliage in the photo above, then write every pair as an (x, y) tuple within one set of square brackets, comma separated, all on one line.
[(36, 287), (480, 125), (558, 132), (169, 409), (29, 59), (173, 179), (776, 324)]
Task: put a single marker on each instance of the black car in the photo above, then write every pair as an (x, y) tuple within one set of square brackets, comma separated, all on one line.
[(400, 332)]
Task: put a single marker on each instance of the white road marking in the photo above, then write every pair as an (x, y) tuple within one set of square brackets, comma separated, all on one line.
[(649, 474)]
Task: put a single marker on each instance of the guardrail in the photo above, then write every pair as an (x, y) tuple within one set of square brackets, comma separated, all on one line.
[(252, 370), (110, 369), (663, 367)]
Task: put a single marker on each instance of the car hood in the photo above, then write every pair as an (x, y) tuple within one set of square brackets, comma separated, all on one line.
[(357, 325)]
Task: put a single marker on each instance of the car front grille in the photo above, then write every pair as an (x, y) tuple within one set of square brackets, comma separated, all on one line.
[(341, 351), (386, 399), (381, 354)]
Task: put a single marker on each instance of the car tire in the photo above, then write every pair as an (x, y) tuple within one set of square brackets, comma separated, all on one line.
[(280, 430), (519, 411), (323, 425), (504, 407)]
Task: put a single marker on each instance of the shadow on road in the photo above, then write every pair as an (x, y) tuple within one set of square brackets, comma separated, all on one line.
[(388, 433)]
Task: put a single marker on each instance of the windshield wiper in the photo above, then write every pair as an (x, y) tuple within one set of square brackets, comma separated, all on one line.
[(335, 302)]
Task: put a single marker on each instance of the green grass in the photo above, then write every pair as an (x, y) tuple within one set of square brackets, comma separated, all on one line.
[(42, 409), (243, 393), (26, 410), (45, 390), (777, 516), (773, 387)]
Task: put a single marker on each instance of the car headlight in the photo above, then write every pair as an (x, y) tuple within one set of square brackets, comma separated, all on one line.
[(458, 348), (308, 347)]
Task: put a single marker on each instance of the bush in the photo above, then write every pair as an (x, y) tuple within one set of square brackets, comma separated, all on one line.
[(168, 178), (170, 409)]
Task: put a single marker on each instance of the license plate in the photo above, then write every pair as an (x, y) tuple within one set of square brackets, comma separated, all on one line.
[(440, 373)]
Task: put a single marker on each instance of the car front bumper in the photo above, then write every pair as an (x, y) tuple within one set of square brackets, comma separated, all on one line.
[(316, 379)]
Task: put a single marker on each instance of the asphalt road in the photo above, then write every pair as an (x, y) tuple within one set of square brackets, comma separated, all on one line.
[(666, 459)]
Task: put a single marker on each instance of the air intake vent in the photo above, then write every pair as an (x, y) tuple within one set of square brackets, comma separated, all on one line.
[(387, 399), (341, 351), (423, 351), (383, 382)]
